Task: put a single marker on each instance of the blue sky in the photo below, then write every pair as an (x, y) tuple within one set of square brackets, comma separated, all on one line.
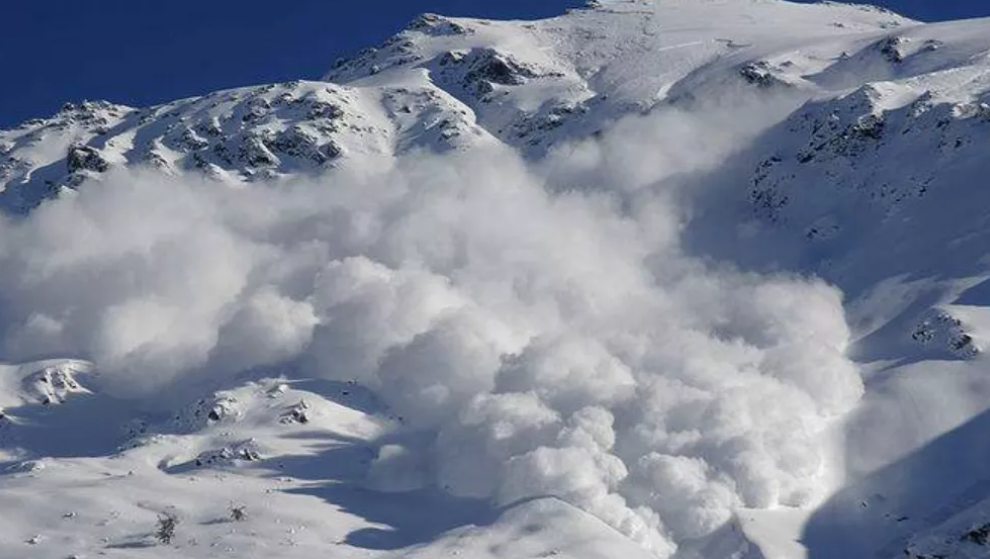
[(139, 52)]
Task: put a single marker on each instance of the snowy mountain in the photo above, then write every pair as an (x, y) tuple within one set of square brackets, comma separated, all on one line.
[(447, 83), (654, 278)]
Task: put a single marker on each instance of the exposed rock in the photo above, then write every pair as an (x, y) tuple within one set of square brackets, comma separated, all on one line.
[(939, 328), (53, 385), (762, 74), (298, 413), (892, 49), (256, 153), (494, 67), (217, 409), (436, 25), (301, 142), (85, 158), (227, 456)]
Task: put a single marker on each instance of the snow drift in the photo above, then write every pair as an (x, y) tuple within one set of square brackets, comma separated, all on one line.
[(548, 341)]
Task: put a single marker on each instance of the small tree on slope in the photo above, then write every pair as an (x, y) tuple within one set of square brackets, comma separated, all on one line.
[(167, 523)]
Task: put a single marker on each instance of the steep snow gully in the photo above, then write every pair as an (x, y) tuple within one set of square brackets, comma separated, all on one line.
[(654, 278)]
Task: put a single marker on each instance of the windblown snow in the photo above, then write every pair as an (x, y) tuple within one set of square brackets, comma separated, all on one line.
[(659, 276)]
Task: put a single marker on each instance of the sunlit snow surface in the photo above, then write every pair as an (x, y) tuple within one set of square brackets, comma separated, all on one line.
[(675, 279)]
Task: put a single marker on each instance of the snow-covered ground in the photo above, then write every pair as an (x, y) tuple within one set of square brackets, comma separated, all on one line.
[(655, 278)]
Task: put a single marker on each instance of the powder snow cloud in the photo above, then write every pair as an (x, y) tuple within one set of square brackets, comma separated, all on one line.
[(547, 341)]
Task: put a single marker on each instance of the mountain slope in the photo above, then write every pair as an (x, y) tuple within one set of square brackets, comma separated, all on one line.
[(551, 280), (440, 84)]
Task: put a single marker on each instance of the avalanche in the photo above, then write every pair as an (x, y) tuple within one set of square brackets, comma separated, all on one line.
[(651, 278)]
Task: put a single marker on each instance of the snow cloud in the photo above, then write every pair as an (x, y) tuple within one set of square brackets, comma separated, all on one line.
[(549, 341)]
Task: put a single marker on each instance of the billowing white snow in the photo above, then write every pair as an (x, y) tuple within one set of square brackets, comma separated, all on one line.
[(550, 344)]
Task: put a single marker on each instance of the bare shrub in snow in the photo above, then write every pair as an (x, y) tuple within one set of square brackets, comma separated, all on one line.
[(165, 530), (238, 513)]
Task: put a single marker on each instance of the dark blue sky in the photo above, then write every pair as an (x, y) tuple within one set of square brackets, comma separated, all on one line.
[(142, 52)]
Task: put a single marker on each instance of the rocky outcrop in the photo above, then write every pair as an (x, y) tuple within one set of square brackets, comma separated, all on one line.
[(53, 385), (85, 158)]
